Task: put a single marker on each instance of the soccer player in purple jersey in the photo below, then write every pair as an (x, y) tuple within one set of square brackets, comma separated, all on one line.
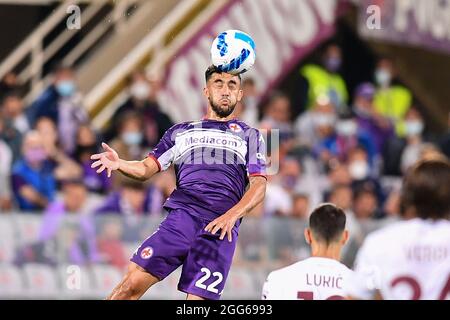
[(219, 163)]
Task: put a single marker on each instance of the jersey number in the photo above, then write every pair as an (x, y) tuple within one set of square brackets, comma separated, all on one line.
[(309, 295), (415, 287), (212, 286)]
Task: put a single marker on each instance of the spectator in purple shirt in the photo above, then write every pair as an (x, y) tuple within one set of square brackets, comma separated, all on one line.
[(66, 220), (378, 127), (85, 146)]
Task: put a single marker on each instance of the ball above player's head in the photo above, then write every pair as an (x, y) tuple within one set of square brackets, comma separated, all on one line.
[(233, 51)]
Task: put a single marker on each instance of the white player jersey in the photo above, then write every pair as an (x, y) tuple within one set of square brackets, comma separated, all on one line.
[(311, 279), (407, 260)]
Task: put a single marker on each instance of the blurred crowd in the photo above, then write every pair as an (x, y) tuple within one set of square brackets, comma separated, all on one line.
[(349, 148)]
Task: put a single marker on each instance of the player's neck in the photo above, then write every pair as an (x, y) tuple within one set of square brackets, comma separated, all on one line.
[(331, 252), (211, 115)]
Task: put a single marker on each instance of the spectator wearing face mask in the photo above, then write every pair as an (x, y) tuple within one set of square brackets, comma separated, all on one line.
[(362, 174), (322, 79), (143, 101), (378, 127), (129, 141), (32, 177), (61, 102), (391, 100), (344, 137), (414, 127)]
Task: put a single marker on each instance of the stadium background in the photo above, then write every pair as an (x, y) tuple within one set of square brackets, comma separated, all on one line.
[(138, 67)]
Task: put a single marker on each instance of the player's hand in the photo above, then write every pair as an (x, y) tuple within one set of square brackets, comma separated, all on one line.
[(108, 160), (225, 223)]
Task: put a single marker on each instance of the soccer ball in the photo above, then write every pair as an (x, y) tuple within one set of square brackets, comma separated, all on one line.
[(233, 51)]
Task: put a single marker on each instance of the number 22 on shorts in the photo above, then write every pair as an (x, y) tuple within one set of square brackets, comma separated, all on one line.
[(212, 287)]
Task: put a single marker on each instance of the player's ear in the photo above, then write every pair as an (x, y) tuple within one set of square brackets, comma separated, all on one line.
[(206, 92), (344, 237), (240, 95), (308, 235)]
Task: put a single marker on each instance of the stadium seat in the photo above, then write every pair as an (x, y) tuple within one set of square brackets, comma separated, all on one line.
[(41, 281), (7, 240), (72, 286), (105, 279), (11, 282), (28, 227)]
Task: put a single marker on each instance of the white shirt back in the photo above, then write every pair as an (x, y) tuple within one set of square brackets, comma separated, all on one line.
[(311, 279), (408, 260)]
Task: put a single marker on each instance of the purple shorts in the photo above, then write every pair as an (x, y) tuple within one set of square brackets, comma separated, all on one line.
[(181, 240)]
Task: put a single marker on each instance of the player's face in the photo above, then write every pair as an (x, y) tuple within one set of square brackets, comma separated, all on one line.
[(223, 91)]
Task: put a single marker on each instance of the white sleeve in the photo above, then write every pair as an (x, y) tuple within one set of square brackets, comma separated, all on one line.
[(270, 289), (365, 280)]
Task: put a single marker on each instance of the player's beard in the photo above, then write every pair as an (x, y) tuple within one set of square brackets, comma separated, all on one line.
[(222, 111)]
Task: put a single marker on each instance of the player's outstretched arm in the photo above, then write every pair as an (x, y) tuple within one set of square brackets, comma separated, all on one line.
[(254, 196), (109, 160)]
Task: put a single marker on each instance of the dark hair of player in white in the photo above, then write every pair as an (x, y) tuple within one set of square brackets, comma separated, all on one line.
[(326, 233)]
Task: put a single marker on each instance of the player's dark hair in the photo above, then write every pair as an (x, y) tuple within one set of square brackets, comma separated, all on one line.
[(426, 189), (213, 69), (327, 223)]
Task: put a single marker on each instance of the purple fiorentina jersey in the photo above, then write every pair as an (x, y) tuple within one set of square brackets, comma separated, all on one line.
[(213, 160)]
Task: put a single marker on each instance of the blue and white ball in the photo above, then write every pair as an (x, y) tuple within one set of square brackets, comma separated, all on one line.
[(233, 51)]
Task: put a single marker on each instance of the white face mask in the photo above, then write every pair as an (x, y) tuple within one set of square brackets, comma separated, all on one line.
[(414, 128), (140, 90), (346, 128), (323, 119), (132, 138), (358, 169), (383, 77)]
